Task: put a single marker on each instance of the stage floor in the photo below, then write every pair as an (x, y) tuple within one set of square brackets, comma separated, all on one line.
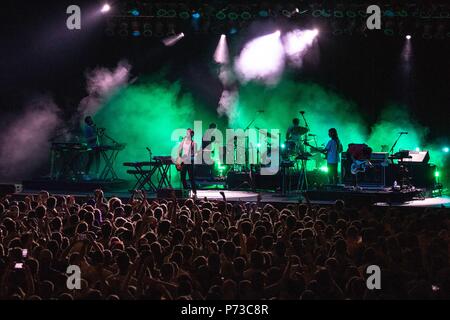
[(266, 197)]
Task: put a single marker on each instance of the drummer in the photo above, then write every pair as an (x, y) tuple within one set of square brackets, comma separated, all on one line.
[(294, 134)]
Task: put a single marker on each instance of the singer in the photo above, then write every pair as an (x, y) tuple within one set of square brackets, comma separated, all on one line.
[(92, 140)]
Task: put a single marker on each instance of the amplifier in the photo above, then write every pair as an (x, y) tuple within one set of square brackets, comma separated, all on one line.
[(9, 188), (239, 180)]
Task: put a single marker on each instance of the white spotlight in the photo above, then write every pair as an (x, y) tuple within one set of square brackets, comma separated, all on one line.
[(296, 43), (106, 7), (408, 37), (262, 58), (221, 55), (170, 41)]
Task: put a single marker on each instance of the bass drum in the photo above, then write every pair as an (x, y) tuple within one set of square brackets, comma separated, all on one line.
[(292, 149)]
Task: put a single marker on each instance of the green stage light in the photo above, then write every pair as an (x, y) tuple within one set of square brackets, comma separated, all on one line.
[(324, 168), (317, 13), (233, 16), (171, 13), (221, 15), (283, 146), (445, 149), (417, 149), (351, 14), (246, 15), (161, 13), (184, 15), (338, 14), (437, 174)]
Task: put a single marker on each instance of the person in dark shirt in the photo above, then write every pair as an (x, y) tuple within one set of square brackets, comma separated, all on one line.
[(92, 140)]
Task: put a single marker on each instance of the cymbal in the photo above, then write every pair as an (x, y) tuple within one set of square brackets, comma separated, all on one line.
[(300, 130)]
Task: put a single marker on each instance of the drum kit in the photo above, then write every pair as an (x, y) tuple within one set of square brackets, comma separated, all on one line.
[(241, 155), (296, 152)]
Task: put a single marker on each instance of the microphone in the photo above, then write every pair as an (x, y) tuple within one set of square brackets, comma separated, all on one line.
[(261, 111), (312, 135), (302, 112), (148, 149), (403, 132)]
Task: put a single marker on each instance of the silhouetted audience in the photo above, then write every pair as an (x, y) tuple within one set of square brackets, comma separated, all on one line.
[(203, 249)]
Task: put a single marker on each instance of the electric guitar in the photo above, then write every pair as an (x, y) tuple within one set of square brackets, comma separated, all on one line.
[(360, 166), (179, 163)]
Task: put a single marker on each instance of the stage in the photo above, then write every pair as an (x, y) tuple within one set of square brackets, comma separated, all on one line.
[(271, 197)]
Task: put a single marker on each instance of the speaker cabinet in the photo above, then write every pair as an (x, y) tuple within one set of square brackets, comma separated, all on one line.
[(9, 188)]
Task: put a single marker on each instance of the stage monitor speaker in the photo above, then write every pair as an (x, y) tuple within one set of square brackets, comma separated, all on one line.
[(9, 188), (203, 171), (418, 157), (267, 182), (239, 180), (167, 193)]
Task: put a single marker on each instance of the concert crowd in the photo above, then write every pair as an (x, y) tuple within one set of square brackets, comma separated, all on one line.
[(195, 249)]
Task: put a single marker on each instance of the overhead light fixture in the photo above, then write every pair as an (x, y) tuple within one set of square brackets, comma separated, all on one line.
[(148, 32), (106, 8), (123, 31), (135, 12)]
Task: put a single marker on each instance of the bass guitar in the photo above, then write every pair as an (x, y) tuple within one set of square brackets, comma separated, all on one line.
[(360, 166)]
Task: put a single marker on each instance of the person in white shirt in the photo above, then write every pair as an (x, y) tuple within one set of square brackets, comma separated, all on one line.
[(187, 151), (333, 150)]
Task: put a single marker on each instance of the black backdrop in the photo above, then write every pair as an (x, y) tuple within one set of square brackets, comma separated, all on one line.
[(38, 55)]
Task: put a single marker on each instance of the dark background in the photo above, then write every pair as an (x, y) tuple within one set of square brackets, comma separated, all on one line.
[(39, 55)]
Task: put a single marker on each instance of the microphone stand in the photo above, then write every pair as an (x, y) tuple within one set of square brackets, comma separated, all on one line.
[(395, 143), (305, 139), (103, 134), (252, 185), (246, 139), (149, 154), (304, 119)]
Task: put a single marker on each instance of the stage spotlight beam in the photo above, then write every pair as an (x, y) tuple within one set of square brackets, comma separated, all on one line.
[(262, 58), (221, 54), (172, 40)]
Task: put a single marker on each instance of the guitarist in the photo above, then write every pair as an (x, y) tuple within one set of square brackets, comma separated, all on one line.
[(333, 150), (185, 161)]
